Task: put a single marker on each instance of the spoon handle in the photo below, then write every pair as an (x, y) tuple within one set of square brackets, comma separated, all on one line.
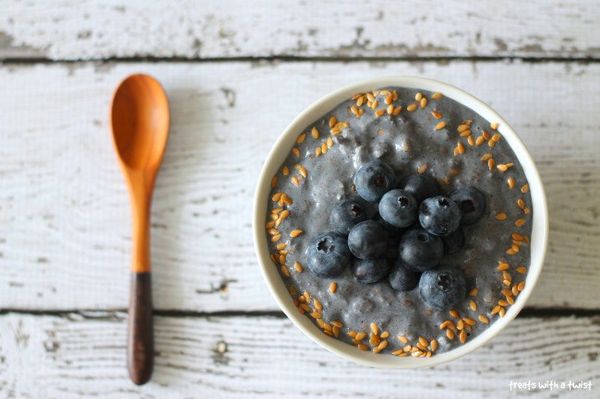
[(140, 342)]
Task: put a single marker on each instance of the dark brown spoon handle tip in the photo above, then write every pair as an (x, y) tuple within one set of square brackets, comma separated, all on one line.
[(140, 337)]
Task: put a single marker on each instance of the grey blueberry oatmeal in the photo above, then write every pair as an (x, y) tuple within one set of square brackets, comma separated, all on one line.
[(400, 223)]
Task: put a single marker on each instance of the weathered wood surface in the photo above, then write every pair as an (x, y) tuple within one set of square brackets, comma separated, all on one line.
[(64, 217), (245, 357), (328, 28)]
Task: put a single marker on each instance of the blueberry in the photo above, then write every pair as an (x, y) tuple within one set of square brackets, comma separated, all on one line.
[(403, 279), (471, 202), (398, 208), (439, 215), (374, 179), (443, 288), (368, 271), (421, 187), (368, 240), (349, 212), (420, 250), (454, 241), (327, 254)]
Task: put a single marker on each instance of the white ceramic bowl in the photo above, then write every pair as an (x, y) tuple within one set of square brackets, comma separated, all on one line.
[(281, 149)]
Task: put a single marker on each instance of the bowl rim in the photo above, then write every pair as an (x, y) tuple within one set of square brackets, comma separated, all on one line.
[(280, 150)]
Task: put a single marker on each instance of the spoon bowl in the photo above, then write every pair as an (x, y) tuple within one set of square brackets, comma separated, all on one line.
[(140, 128)]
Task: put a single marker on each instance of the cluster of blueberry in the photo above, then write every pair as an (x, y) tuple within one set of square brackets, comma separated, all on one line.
[(401, 234)]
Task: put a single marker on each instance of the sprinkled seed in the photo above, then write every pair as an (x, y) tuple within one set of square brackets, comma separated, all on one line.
[(465, 133), (496, 309), (473, 292), (520, 222), (360, 335), (502, 302), (510, 300), (398, 352), (496, 137), (454, 313), (423, 102), (333, 121), (379, 112), (440, 125), (486, 156), (314, 133), (418, 96), (491, 164), (382, 345), (333, 287), (374, 328), (318, 316), (318, 151), (421, 346), (295, 233), (479, 141), (324, 148), (318, 304), (515, 290), (485, 135), (385, 334), (526, 210), (389, 99), (525, 188), (521, 269), (298, 267), (284, 214), (296, 152), (422, 168), (469, 321), (411, 107), (510, 182), (450, 334), (460, 149), (503, 167), (394, 95), (407, 348), (502, 266), (433, 345), (473, 305), (501, 216), (295, 181), (281, 245), (445, 324), (402, 339), (417, 354), (483, 319), (502, 312), (276, 197), (460, 325), (506, 275), (301, 138), (276, 238), (370, 97), (423, 341), (270, 224), (521, 203), (506, 292), (389, 109), (491, 144), (302, 170), (470, 141), (462, 337), (374, 104), (362, 347), (360, 101), (374, 339), (285, 271), (521, 286), (396, 110), (351, 333), (436, 96), (494, 125), (506, 282), (436, 115), (336, 331)]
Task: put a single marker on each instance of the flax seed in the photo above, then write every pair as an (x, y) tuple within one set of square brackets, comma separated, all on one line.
[(491, 144), (521, 269), (374, 339), (470, 141), (436, 115), (411, 107), (503, 167), (483, 319), (445, 324), (510, 182), (301, 138), (485, 157), (502, 266), (515, 290), (510, 300), (374, 328), (285, 271), (436, 96), (450, 334), (351, 333), (454, 313), (389, 109), (460, 325), (462, 337), (397, 111), (433, 345), (418, 96), (333, 287), (318, 151), (398, 352), (360, 101), (521, 286), (520, 222), (496, 137), (502, 312), (314, 133), (491, 164), (468, 321), (485, 135), (421, 346), (473, 292), (423, 341), (525, 188), (276, 238), (407, 348), (362, 347), (333, 121), (382, 345), (379, 112), (494, 125), (360, 335), (440, 125), (423, 102), (370, 97), (296, 152), (521, 203), (479, 141), (496, 309), (463, 127), (473, 305), (385, 334), (460, 148), (501, 216), (295, 181), (295, 233), (502, 302), (402, 339), (389, 99), (422, 168)]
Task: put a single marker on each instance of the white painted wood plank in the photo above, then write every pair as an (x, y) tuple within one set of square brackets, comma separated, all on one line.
[(64, 217), (328, 28), (70, 357)]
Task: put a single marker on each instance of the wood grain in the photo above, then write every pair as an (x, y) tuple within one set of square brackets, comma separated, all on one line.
[(72, 30), (64, 215), (243, 357)]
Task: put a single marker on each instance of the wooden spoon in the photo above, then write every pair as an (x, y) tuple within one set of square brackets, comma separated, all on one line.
[(140, 127)]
